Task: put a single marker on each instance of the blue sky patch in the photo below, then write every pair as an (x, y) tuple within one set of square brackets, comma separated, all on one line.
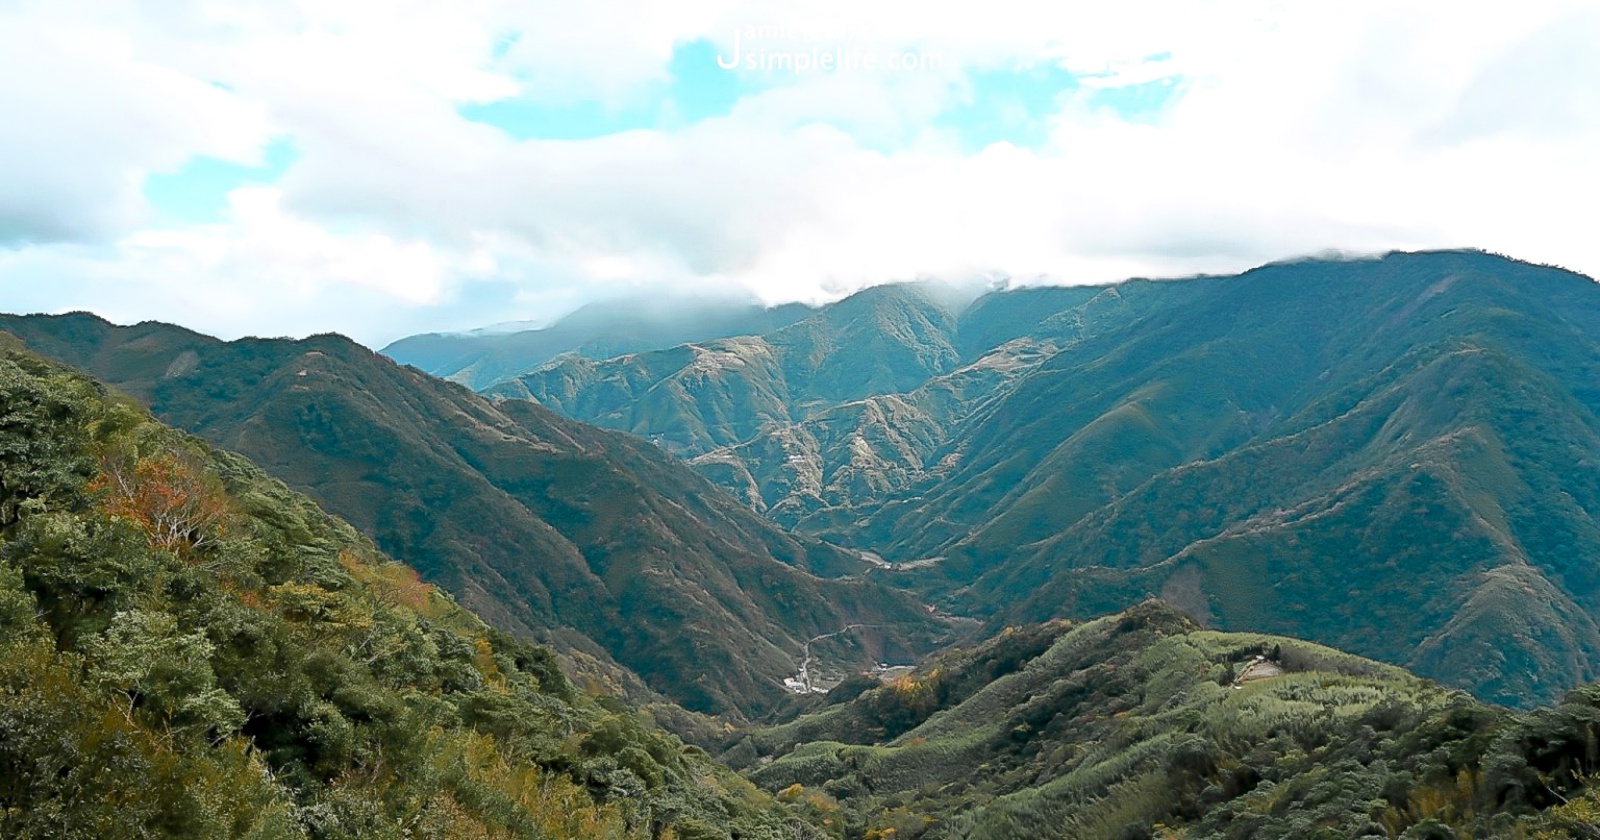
[(198, 192), (1008, 106), (1142, 103), (697, 90)]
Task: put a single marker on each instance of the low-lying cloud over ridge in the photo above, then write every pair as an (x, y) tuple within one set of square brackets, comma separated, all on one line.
[(1081, 143)]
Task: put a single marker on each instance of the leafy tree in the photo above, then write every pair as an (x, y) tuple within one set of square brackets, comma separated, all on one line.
[(167, 497), (161, 673), (43, 432)]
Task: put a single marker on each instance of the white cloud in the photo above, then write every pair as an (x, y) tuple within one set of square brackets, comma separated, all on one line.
[(87, 118), (1298, 127)]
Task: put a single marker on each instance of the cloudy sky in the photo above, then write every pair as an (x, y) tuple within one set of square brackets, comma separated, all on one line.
[(379, 168)]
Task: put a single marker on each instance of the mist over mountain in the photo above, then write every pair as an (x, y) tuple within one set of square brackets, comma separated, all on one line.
[(1394, 456), (483, 358), (799, 421)]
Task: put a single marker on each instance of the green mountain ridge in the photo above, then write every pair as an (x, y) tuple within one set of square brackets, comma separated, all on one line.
[(1424, 418), (590, 540), (1422, 459), (849, 402)]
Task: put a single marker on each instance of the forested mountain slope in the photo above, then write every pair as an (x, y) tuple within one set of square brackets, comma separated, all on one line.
[(592, 539), (190, 649)]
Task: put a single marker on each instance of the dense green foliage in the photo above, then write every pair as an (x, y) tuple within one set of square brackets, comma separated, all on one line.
[(1391, 456), (593, 541), (1143, 725), (190, 649)]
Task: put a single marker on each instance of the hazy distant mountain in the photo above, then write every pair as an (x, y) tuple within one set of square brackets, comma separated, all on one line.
[(591, 538), (481, 358), (1396, 456), (840, 408), (695, 397)]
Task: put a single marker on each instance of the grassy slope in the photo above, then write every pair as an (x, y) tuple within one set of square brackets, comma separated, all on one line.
[(540, 524), (1129, 726)]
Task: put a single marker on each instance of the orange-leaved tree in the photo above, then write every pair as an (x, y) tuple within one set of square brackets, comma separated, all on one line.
[(167, 495)]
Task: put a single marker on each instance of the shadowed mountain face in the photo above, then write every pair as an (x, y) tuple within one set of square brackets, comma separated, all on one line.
[(597, 331), (1395, 456), (590, 538)]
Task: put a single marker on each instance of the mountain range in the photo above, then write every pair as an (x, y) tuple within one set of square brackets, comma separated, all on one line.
[(1193, 558), (1395, 456), (189, 648)]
